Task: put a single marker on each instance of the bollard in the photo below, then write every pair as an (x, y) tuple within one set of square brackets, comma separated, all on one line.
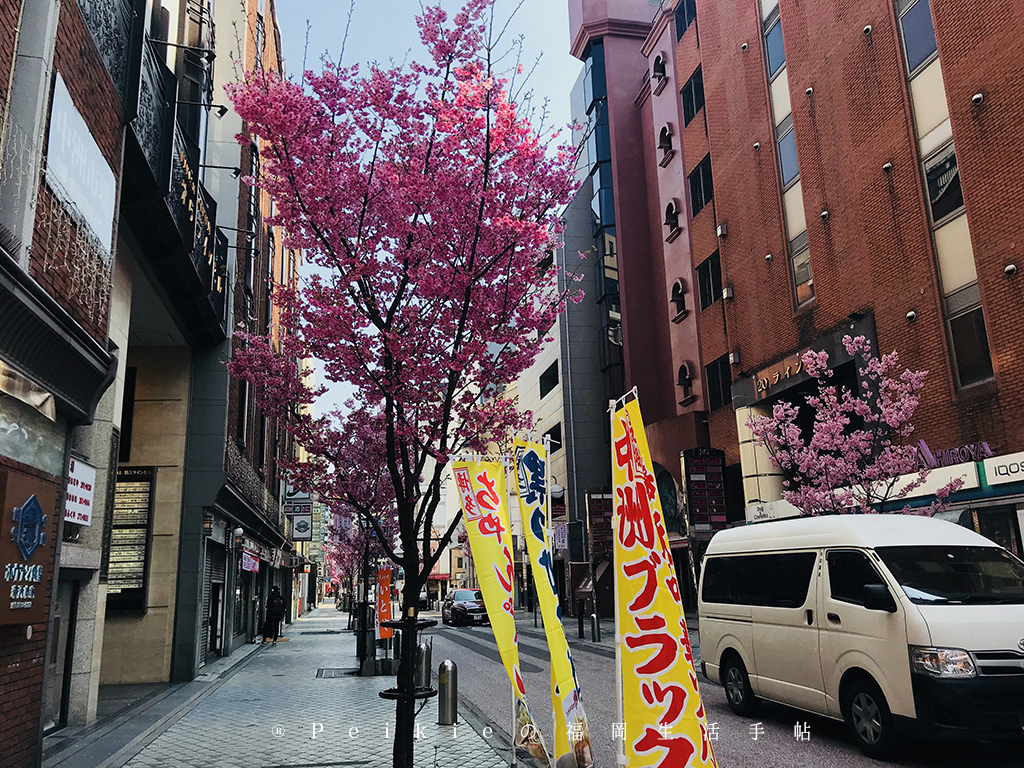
[(423, 666), (595, 628), (579, 615), (448, 693)]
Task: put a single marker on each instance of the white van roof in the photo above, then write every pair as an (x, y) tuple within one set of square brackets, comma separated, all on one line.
[(853, 530)]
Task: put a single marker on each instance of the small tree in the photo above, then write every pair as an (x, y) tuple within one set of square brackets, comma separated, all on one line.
[(427, 203), (859, 457)]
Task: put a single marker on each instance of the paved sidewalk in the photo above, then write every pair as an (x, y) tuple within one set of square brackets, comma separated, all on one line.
[(273, 711)]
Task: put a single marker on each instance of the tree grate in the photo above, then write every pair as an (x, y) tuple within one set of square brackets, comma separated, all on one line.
[(332, 673)]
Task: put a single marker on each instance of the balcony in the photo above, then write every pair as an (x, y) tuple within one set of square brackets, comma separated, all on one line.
[(170, 213), (117, 29)]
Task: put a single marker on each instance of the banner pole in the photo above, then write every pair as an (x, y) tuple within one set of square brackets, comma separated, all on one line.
[(620, 757), (551, 554), (512, 733)]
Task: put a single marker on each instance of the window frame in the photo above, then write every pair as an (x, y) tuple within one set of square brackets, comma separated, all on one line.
[(698, 74), (702, 173), (828, 568), (933, 158), (786, 185), (925, 62), (689, 8), (546, 390), (724, 390), (768, 29), (953, 353), (797, 303), (714, 293)]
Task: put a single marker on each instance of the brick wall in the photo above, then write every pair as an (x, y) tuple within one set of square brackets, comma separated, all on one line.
[(10, 12), (875, 251), (79, 282)]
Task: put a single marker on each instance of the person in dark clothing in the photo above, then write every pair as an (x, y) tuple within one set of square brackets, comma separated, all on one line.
[(274, 613)]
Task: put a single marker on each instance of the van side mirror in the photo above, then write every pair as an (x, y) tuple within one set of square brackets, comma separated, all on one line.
[(877, 598)]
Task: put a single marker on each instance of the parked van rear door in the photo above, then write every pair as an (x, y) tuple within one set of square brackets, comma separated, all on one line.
[(872, 640), (785, 623)]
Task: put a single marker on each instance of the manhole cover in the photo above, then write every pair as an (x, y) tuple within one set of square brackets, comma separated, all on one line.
[(325, 673)]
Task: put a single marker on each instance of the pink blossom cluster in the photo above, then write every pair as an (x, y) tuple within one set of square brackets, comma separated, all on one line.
[(858, 456)]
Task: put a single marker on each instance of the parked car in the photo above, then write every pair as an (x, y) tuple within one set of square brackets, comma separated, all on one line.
[(897, 624), (464, 606)]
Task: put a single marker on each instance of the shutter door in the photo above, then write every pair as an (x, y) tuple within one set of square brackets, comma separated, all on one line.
[(204, 624)]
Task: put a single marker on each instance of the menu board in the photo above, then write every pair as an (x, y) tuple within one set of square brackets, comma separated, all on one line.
[(704, 476), (129, 539)]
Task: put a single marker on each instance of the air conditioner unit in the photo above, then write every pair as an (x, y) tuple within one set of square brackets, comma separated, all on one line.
[(723, 229), (727, 292)]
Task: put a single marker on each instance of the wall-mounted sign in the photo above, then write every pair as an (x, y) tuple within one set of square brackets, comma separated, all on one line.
[(298, 507), (250, 563), (599, 525), (561, 535), (302, 527), (704, 481), (773, 376), (951, 456), (129, 539), (293, 494), (1000, 470), (79, 493), (28, 533), (76, 169)]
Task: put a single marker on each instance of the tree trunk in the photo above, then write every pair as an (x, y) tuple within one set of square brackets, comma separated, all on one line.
[(405, 716)]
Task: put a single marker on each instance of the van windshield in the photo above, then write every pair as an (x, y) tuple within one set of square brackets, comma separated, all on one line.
[(936, 574)]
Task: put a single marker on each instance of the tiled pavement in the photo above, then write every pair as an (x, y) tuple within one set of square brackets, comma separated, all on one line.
[(273, 711)]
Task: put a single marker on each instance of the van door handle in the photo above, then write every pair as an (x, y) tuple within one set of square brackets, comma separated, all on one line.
[(834, 618), (810, 618)]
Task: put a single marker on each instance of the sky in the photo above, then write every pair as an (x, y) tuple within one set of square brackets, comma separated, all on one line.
[(386, 29)]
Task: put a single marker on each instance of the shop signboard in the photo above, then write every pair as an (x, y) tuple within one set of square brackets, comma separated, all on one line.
[(250, 562), (599, 522), (704, 484), (1001, 470), (561, 535), (302, 527), (129, 539), (78, 496), (28, 534)]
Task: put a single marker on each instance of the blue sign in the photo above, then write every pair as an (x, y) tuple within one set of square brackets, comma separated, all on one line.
[(28, 534)]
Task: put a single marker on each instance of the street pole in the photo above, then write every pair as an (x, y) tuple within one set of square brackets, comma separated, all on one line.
[(621, 748)]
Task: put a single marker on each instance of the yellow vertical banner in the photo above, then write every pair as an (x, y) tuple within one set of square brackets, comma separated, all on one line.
[(572, 732), (483, 491), (662, 711)]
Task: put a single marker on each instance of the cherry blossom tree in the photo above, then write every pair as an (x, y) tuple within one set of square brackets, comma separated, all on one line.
[(858, 456), (426, 203)]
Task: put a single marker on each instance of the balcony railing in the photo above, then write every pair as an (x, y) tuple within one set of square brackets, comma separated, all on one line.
[(117, 29)]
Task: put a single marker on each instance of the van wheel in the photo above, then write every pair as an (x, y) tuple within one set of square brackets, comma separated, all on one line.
[(870, 722), (737, 687)]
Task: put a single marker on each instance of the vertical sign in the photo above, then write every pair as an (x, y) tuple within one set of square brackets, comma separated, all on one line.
[(384, 602), (80, 492), (129, 539), (662, 714), (482, 490), (28, 535), (599, 523), (704, 478)]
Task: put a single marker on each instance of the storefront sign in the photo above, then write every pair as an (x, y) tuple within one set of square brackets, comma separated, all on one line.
[(599, 522), (294, 495), (302, 527), (771, 510), (250, 563), (28, 533), (704, 485), (951, 456), (79, 493), (129, 539), (298, 507), (778, 374), (1005, 469), (76, 168), (561, 535)]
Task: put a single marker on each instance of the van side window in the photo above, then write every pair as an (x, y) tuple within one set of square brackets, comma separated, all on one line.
[(777, 581), (848, 574)]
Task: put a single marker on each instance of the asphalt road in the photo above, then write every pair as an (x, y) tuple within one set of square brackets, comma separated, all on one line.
[(483, 683)]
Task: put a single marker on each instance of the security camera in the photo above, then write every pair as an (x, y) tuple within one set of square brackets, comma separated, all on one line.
[(1010, 270), (825, 215), (887, 167), (809, 91), (911, 316), (977, 99), (744, 47), (757, 145), (768, 257), (867, 29)]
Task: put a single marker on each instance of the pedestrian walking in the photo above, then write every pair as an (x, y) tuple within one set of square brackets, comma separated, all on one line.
[(275, 612)]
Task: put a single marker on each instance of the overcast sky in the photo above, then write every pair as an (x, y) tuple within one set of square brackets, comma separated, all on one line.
[(386, 29)]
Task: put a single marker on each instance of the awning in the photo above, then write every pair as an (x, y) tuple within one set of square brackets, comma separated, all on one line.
[(439, 577)]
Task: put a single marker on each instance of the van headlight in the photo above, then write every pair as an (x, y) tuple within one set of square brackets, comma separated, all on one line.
[(942, 662)]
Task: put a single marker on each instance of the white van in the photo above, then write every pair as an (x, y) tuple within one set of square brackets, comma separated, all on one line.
[(897, 624)]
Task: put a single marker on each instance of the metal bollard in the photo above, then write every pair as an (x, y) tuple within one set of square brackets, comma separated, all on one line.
[(579, 616), (595, 628), (423, 666), (448, 693)]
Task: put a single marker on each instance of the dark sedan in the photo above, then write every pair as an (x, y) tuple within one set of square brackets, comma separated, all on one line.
[(464, 606)]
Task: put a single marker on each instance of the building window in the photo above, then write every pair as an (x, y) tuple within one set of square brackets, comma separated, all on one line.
[(658, 69), (774, 50), (242, 427), (693, 96), (918, 34), (665, 145), (945, 196), (709, 280), (672, 220), (803, 282), (719, 376), (788, 166), (971, 357), (679, 299), (555, 433), (702, 190), (549, 379), (684, 380), (686, 14), (458, 562)]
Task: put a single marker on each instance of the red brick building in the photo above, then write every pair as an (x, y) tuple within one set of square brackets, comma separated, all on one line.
[(848, 169)]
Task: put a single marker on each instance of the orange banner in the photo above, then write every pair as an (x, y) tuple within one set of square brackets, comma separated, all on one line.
[(384, 603), (662, 711)]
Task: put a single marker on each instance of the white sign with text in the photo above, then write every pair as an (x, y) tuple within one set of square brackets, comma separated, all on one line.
[(78, 495)]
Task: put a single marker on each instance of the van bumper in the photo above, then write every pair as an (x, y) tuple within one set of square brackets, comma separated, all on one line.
[(978, 708)]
